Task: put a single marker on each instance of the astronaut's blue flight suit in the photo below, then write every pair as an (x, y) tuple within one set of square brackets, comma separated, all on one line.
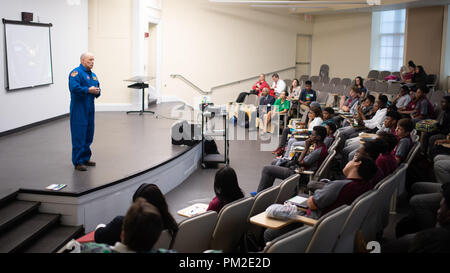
[(82, 111)]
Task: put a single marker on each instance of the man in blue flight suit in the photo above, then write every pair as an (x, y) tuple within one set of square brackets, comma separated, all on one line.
[(84, 88)]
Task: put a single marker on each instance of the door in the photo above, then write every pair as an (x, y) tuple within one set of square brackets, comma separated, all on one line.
[(150, 69), (303, 56)]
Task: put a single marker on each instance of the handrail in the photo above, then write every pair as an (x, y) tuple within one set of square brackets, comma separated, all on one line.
[(188, 82)]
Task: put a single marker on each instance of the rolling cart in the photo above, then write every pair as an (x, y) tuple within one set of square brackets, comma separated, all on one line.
[(210, 115)]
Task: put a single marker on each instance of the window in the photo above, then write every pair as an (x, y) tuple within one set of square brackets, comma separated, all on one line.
[(388, 37)]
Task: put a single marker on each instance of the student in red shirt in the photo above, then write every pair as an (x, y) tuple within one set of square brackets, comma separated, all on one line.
[(386, 160), (226, 188), (260, 85), (256, 89)]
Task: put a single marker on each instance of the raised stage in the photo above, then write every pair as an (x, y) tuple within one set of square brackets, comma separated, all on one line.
[(129, 150)]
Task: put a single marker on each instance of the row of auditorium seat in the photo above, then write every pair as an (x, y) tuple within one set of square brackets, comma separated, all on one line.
[(381, 75), (223, 230), (334, 232)]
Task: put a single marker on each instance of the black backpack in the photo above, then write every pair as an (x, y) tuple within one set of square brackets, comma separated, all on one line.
[(210, 147)]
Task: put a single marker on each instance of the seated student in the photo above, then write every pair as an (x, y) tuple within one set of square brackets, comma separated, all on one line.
[(266, 99), (432, 240), (278, 85), (353, 99), (386, 160), (380, 114), (390, 122), (141, 229), (368, 124), (406, 77), (425, 200), (352, 144), (226, 188), (442, 168), (347, 103), (294, 90), (281, 104), (389, 125), (359, 83), (331, 129), (307, 160), (403, 98), (366, 107), (406, 111), (419, 78), (256, 89), (429, 139), (110, 233), (314, 119), (424, 109), (372, 149), (438, 148), (328, 114), (260, 85), (358, 174), (294, 95), (405, 143), (307, 95)]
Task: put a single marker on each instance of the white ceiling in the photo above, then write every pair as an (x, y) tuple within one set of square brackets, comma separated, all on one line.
[(316, 7)]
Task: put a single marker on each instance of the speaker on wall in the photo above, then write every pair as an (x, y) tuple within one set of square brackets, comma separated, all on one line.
[(27, 16)]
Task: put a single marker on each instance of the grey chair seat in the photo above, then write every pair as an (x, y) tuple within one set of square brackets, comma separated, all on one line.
[(231, 224), (327, 229), (360, 208), (295, 241), (194, 234)]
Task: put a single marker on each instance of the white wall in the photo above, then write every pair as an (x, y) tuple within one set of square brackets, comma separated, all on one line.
[(209, 44), (69, 40), (343, 42), (212, 44), (111, 40)]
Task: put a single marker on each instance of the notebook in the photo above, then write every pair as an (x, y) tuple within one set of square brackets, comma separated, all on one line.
[(299, 201), (193, 210)]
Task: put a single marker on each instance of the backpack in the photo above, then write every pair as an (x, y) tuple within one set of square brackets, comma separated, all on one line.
[(210, 147)]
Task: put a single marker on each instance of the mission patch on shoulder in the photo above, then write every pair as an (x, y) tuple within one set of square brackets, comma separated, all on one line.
[(74, 73)]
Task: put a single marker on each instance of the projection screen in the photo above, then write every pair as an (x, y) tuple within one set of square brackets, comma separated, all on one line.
[(28, 54)]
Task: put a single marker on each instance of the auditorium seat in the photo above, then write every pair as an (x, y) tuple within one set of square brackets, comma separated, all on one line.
[(335, 81), (327, 229), (381, 87), (383, 74), (164, 240), (263, 200), (346, 81), (194, 233), (295, 241), (287, 188), (371, 224), (371, 85), (360, 208), (373, 74), (231, 224)]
